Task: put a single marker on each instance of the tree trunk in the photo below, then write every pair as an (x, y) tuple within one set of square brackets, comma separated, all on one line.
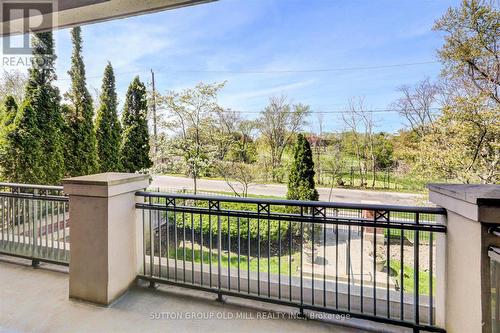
[(319, 164), (374, 173), (195, 178)]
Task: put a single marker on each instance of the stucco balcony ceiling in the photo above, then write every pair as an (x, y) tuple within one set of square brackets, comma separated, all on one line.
[(55, 14)]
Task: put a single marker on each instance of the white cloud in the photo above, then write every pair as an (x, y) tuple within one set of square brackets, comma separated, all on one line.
[(245, 96)]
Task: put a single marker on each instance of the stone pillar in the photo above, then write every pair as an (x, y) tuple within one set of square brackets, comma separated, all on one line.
[(463, 266), (103, 256)]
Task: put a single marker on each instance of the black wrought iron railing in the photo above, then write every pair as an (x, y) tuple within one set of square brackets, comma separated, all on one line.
[(373, 262), (34, 222)]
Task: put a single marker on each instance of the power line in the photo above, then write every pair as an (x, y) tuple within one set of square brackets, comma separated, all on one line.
[(302, 70), (285, 71), (337, 111)]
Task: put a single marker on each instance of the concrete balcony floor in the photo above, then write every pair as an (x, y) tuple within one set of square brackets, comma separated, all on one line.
[(36, 300)]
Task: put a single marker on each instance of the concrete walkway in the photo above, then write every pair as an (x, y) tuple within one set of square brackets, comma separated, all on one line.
[(349, 259), (36, 300), (338, 194)]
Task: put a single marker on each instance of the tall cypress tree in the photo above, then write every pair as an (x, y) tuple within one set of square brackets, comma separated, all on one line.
[(7, 158), (301, 179), (9, 110), (32, 146), (135, 143), (81, 148), (108, 129)]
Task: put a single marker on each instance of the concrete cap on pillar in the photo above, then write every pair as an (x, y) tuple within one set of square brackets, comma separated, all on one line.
[(105, 184), (476, 202)]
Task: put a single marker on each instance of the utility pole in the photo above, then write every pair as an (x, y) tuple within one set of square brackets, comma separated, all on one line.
[(155, 130), (319, 144)]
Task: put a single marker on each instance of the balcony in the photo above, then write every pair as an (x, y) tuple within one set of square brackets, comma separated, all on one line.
[(148, 256)]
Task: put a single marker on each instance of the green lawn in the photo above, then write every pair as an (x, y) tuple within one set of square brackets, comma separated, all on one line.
[(233, 261), (424, 236), (408, 278), (394, 183), (284, 268)]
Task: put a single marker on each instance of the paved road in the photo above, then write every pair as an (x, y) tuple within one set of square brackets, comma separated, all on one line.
[(339, 195)]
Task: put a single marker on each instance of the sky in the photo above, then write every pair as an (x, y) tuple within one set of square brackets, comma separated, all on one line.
[(316, 52)]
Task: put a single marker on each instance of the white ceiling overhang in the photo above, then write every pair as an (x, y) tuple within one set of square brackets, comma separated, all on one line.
[(22, 16)]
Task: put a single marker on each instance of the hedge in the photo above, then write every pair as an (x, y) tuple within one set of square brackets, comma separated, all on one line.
[(205, 222)]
